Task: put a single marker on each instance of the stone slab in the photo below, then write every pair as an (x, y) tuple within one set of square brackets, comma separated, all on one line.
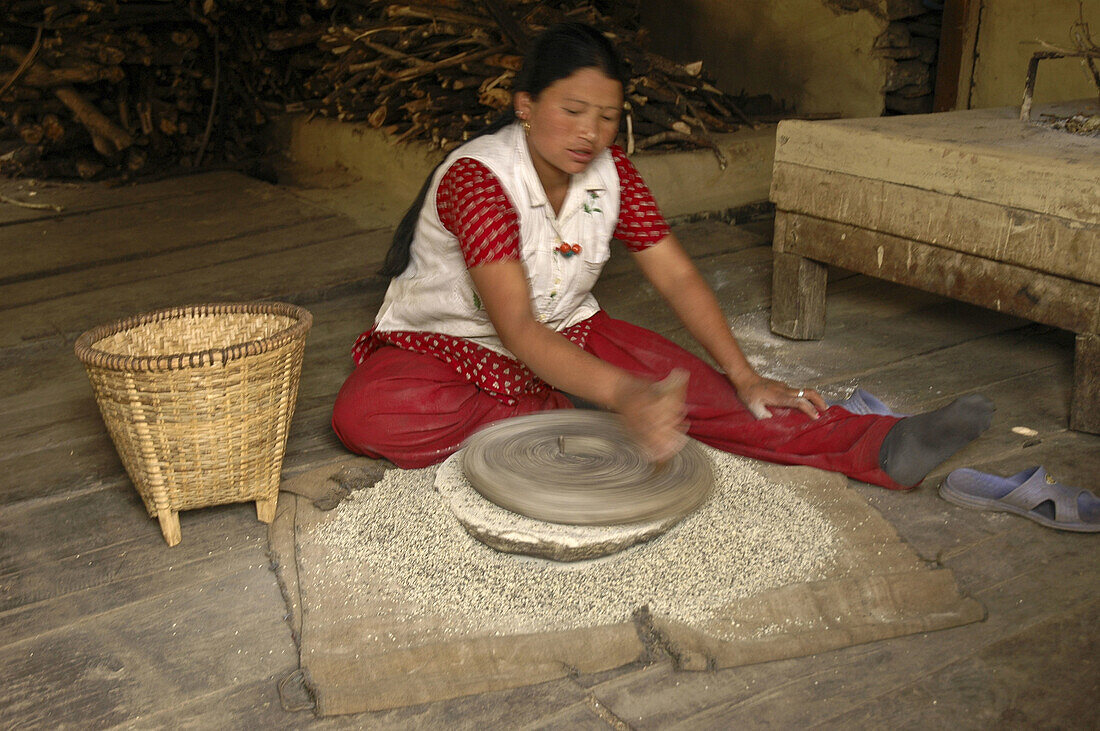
[(513, 533)]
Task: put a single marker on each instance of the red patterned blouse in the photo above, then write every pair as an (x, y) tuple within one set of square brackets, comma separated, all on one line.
[(473, 206)]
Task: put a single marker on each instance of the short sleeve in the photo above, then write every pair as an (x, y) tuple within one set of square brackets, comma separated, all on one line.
[(472, 205), (641, 224)]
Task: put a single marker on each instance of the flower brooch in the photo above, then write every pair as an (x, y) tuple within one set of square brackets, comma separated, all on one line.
[(568, 250)]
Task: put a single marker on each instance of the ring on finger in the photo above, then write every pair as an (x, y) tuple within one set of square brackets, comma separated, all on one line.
[(801, 393)]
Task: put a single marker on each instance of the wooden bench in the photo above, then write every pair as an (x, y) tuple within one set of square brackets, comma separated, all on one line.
[(975, 205)]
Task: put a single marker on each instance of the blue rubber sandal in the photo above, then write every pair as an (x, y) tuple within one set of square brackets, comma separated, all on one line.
[(1032, 493), (861, 402)]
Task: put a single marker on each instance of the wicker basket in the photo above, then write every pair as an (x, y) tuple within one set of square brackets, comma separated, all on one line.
[(198, 401)]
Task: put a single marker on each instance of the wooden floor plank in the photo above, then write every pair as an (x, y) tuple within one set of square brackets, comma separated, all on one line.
[(858, 344), (44, 379), (238, 706), (54, 419), (197, 254), (551, 705), (150, 655), (26, 437), (56, 246), (44, 598), (933, 526), (579, 716), (29, 394), (78, 199), (846, 685), (59, 472), (932, 376), (280, 273), (94, 522), (993, 686), (1056, 357), (701, 240), (26, 367), (741, 279), (92, 543), (90, 591), (991, 690)]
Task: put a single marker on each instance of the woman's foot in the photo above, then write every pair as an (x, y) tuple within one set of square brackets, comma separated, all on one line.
[(918, 443)]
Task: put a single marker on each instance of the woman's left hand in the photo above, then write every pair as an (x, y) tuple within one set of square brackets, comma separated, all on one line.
[(760, 393)]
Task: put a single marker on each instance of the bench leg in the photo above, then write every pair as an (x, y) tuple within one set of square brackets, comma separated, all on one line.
[(798, 297), (1084, 413)]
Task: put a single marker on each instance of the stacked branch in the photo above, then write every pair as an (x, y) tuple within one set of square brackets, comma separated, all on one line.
[(98, 88), (129, 87), (439, 74)]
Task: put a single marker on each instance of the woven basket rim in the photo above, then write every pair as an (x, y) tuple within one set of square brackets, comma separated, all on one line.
[(90, 356)]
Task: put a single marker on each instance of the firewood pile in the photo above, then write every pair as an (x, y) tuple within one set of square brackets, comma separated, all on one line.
[(92, 88), (109, 88), (440, 74)]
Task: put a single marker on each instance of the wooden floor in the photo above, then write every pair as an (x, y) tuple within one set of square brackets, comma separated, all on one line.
[(103, 625)]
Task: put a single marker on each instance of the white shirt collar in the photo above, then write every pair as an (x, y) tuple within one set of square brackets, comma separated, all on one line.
[(579, 186)]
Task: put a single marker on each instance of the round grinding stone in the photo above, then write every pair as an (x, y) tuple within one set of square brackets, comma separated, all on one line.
[(578, 467), (513, 533)]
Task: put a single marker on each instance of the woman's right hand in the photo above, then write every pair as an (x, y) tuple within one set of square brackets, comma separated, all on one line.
[(654, 413)]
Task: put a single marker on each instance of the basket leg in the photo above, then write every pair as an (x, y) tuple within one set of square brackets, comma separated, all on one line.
[(265, 509), (169, 525)]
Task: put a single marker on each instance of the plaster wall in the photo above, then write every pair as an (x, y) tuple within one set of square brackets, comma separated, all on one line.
[(1009, 32), (358, 170), (815, 57)]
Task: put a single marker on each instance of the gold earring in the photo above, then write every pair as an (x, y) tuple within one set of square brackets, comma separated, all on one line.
[(526, 127)]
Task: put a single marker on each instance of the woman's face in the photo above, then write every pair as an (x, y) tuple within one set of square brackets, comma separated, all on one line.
[(572, 121)]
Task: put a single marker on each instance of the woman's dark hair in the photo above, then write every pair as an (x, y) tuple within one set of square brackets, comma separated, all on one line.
[(556, 54)]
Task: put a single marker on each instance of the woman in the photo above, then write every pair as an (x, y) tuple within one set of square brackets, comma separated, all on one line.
[(490, 312)]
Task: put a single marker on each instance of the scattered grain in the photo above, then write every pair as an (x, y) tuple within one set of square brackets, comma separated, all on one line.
[(400, 556)]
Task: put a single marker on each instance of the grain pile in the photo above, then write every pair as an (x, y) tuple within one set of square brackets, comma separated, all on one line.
[(752, 535)]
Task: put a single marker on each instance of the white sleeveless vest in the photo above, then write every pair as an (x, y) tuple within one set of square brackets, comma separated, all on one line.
[(435, 292)]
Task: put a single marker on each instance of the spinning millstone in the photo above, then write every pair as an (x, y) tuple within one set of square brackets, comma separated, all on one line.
[(568, 485)]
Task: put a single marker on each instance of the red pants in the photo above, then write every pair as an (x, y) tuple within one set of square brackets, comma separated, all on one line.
[(415, 410)]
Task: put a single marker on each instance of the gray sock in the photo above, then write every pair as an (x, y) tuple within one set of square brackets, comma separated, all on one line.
[(918, 443)]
